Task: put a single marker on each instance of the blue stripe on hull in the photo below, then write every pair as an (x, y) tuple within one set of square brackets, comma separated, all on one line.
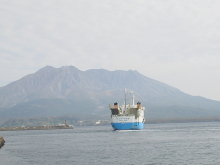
[(127, 126)]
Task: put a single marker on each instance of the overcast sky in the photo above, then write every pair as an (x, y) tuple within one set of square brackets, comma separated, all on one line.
[(173, 41)]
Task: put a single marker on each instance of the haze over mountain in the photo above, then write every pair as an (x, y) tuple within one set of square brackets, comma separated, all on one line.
[(69, 91)]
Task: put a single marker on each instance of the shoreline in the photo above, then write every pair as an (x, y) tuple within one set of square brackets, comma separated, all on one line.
[(148, 121), (182, 120)]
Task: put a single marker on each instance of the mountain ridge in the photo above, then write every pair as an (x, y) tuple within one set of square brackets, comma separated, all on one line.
[(99, 87)]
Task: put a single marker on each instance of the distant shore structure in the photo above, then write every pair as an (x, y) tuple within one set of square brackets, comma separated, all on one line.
[(45, 127)]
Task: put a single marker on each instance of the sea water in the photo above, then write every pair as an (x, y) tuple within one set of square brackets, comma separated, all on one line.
[(174, 143)]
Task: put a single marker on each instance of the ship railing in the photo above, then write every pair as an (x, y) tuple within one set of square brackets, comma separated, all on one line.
[(132, 106), (128, 106), (124, 115)]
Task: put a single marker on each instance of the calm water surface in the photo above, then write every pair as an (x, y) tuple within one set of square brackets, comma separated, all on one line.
[(182, 143)]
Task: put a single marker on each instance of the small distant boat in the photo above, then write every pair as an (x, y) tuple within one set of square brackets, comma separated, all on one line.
[(128, 116)]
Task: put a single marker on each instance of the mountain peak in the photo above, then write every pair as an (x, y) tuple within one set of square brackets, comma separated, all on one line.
[(97, 85)]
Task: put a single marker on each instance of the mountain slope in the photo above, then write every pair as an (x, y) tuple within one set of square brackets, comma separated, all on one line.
[(67, 90)]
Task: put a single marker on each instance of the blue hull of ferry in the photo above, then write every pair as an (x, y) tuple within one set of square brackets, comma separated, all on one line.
[(128, 126)]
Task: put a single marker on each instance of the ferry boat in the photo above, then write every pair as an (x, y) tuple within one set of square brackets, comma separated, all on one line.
[(128, 116)]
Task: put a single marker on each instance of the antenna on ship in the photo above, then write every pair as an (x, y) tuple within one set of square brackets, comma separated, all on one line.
[(125, 97), (132, 98)]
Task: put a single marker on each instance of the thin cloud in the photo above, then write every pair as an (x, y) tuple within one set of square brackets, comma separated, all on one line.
[(160, 39)]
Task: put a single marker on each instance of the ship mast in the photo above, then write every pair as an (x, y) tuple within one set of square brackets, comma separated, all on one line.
[(125, 98), (132, 98)]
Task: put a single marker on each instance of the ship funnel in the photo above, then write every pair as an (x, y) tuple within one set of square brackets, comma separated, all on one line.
[(138, 105), (115, 105)]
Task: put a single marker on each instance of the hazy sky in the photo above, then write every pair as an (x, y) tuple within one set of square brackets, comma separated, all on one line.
[(173, 41)]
